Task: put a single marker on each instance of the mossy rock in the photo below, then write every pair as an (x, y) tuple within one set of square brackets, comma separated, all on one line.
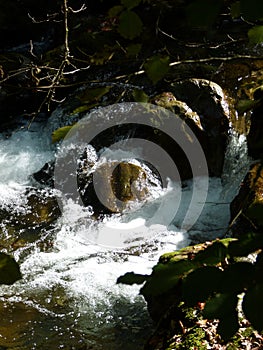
[(113, 187)]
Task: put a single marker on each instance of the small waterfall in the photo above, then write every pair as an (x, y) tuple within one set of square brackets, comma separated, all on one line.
[(72, 285)]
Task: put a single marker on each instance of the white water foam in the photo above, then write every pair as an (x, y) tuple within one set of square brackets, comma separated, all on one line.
[(87, 272)]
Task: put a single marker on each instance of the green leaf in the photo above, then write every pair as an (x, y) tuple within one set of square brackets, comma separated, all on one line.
[(212, 255), (93, 94), (60, 133), (115, 11), (235, 9), (246, 244), (228, 326), (237, 277), (255, 35), (253, 306), (130, 25), (129, 4), (246, 105), (220, 306), (132, 278), (165, 277), (201, 13), (251, 10), (140, 96), (9, 269), (201, 283), (132, 50), (157, 67)]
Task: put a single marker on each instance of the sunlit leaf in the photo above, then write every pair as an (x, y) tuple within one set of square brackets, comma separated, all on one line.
[(201, 283), (255, 35), (60, 133), (157, 67), (132, 278), (201, 13), (130, 25), (251, 9), (9, 269), (129, 4), (253, 306), (140, 96), (83, 108)]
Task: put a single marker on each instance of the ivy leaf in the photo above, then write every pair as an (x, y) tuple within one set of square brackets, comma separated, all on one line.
[(201, 283), (140, 96), (237, 276), (130, 25), (156, 67), (115, 10), (255, 35), (220, 306), (132, 278), (253, 306), (129, 4), (200, 13), (165, 277), (60, 133), (9, 269)]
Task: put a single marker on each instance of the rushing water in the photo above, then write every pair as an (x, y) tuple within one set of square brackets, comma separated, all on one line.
[(68, 294)]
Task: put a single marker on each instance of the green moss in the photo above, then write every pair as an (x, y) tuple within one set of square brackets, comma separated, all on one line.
[(193, 339)]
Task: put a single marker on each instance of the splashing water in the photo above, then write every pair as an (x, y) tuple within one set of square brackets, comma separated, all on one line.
[(72, 286)]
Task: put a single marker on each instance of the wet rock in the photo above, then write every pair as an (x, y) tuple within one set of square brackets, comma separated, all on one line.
[(24, 224), (45, 175), (209, 101), (115, 186), (247, 206)]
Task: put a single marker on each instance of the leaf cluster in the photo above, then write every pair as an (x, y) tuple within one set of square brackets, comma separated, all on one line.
[(215, 275)]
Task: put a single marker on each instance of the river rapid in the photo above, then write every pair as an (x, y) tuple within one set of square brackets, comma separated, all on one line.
[(68, 296)]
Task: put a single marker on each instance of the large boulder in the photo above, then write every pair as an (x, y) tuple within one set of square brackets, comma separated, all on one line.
[(210, 102), (115, 186)]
